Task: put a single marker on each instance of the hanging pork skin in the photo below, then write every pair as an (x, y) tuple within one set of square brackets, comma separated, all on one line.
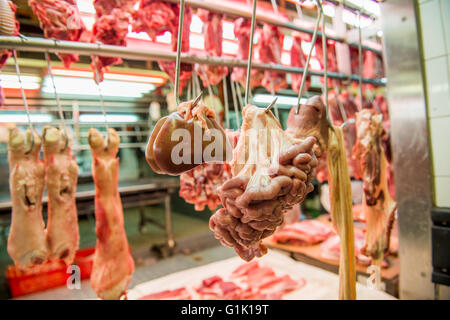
[(165, 153)]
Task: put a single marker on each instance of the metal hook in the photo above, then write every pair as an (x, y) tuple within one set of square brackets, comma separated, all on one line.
[(102, 104), (197, 100), (58, 102), (225, 99), (235, 104), (273, 103), (305, 71), (250, 52), (177, 68)]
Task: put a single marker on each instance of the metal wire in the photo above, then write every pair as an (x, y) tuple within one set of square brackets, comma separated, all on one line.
[(250, 51), (239, 94), (22, 92), (102, 101), (305, 72), (235, 104), (277, 114), (225, 99), (177, 68)]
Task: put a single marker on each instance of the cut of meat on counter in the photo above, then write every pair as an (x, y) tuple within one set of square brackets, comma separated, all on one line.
[(61, 20), (61, 178), (212, 32), (269, 48), (9, 26), (111, 27), (306, 232), (298, 59), (26, 242), (272, 172), (169, 66), (379, 207), (250, 281), (330, 249), (196, 119), (242, 28), (199, 185), (113, 263)]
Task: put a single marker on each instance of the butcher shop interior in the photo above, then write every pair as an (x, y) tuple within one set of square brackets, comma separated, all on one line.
[(224, 150)]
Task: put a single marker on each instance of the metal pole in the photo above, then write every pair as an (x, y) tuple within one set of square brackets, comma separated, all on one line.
[(250, 51), (360, 60), (180, 37), (305, 73)]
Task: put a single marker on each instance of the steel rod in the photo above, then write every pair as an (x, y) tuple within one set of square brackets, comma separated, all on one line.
[(215, 6), (89, 49), (177, 67), (360, 61), (250, 51)]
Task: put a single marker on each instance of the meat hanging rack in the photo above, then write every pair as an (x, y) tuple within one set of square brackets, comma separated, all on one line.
[(37, 44)]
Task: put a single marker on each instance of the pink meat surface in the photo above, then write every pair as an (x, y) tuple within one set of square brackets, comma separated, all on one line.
[(306, 232)]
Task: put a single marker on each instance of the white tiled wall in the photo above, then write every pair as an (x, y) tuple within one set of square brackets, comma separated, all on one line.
[(435, 23)]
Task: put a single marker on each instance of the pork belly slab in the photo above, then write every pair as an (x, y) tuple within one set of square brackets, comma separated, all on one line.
[(271, 173)]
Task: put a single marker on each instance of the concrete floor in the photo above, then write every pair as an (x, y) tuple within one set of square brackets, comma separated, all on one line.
[(190, 230)]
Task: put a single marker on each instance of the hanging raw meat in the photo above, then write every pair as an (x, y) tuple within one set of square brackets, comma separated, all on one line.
[(169, 66), (332, 65), (155, 18), (199, 185), (9, 26), (270, 47), (242, 28), (271, 173), (61, 178), (378, 206), (298, 59), (26, 242), (202, 140), (113, 263), (111, 27), (61, 20), (213, 36), (312, 121)]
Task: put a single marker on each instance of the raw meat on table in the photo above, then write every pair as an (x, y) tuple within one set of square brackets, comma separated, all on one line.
[(113, 263), (270, 47), (242, 30), (212, 32), (176, 294), (61, 20), (27, 245), (61, 179), (271, 173), (306, 232)]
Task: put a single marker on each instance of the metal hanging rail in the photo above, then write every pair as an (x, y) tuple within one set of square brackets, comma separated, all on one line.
[(217, 7), (84, 48)]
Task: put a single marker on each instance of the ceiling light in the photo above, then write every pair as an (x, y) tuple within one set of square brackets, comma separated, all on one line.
[(110, 118), (22, 118)]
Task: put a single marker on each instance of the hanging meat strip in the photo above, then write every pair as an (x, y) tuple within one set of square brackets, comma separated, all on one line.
[(242, 28), (332, 65), (271, 173), (113, 263), (61, 178), (111, 27), (298, 59), (26, 242), (155, 18), (378, 206), (312, 121), (213, 36), (61, 20), (169, 66), (270, 48)]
